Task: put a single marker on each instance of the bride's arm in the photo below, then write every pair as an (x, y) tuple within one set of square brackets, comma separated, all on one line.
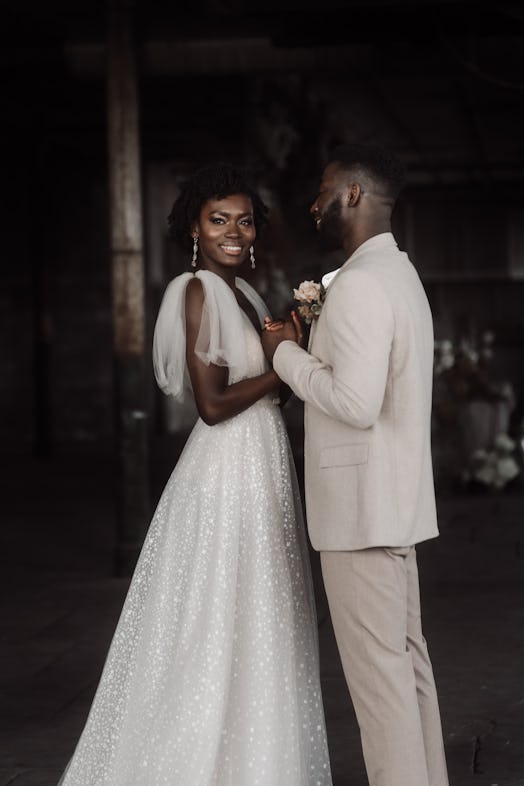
[(275, 325), (215, 399)]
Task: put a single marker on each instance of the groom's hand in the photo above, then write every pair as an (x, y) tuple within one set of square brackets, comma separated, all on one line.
[(278, 324), (276, 332)]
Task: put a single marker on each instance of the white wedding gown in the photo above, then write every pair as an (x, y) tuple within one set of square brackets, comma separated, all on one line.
[(212, 677)]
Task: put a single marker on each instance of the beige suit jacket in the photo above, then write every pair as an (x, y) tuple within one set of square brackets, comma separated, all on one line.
[(367, 386)]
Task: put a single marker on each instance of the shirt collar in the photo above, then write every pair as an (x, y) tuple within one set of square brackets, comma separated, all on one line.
[(327, 278)]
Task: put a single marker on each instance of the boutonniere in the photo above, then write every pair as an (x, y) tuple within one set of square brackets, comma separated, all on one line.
[(311, 296)]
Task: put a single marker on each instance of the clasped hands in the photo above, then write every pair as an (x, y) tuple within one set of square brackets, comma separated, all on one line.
[(277, 330)]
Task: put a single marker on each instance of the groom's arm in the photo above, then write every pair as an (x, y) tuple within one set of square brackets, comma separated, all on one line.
[(360, 324)]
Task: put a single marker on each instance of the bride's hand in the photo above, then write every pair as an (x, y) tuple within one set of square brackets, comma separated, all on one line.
[(273, 324), (291, 330)]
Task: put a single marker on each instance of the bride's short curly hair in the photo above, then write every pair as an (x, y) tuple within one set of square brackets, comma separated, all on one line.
[(214, 181)]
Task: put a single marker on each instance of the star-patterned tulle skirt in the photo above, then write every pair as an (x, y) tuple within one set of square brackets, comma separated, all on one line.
[(212, 677)]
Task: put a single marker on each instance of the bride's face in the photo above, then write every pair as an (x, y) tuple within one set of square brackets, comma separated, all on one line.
[(225, 230)]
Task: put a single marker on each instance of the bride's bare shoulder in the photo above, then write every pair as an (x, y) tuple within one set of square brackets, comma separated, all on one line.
[(194, 290)]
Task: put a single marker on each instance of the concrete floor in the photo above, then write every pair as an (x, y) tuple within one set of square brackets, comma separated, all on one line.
[(59, 607)]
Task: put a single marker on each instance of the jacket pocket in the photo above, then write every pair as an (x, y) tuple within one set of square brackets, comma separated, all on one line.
[(344, 455)]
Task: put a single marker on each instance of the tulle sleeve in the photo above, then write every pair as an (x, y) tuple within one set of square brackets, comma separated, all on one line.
[(221, 338), (169, 340)]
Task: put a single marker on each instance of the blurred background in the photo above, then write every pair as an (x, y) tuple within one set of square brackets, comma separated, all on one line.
[(106, 107)]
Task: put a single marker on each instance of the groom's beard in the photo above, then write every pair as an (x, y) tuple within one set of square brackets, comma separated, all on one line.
[(330, 233)]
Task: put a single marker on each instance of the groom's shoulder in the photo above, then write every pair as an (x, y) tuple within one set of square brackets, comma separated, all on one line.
[(358, 285), (366, 269)]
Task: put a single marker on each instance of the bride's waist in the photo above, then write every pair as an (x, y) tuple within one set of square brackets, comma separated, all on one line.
[(268, 404), (272, 398)]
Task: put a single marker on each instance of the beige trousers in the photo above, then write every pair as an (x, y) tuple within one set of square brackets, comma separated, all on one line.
[(374, 602)]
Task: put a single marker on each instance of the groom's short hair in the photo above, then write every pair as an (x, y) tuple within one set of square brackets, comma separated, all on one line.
[(381, 166)]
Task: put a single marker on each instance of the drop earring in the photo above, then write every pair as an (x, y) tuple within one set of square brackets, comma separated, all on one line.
[(195, 251), (252, 257)]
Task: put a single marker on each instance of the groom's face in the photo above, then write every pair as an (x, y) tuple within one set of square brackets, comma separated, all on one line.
[(327, 209)]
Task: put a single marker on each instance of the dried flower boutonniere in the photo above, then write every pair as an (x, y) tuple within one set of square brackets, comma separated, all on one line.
[(311, 296)]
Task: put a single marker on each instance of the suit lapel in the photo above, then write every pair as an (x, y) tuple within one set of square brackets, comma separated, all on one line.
[(310, 340)]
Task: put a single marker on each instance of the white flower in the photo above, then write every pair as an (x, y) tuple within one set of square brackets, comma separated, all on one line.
[(495, 467), (507, 468), (486, 474), (447, 360), (504, 443), (307, 292)]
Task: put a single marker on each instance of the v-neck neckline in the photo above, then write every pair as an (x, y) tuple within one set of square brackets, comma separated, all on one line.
[(244, 312)]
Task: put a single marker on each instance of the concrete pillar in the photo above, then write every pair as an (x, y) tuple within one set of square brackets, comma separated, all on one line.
[(127, 262)]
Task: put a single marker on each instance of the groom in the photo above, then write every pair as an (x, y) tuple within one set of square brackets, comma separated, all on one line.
[(367, 386)]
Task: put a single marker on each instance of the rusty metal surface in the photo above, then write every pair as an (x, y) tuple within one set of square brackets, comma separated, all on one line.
[(128, 295), (128, 302), (125, 188)]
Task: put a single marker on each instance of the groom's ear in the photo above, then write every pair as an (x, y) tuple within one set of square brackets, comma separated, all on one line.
[(353, 194)]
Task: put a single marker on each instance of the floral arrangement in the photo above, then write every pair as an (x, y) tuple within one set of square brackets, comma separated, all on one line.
[(496, 467), (311, 296), (465, 369), (446, 354), (472, 414)]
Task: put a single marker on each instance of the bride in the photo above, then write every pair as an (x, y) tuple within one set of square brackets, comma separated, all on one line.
[(212, 677)]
